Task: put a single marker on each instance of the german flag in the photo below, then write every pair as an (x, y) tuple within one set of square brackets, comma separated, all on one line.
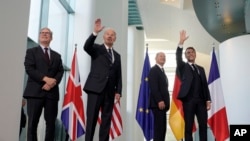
[(176, 116)]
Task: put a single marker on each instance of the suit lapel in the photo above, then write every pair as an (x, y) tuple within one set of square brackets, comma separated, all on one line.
[(162, 73), (52, 56), (105, 52), (159, 69)]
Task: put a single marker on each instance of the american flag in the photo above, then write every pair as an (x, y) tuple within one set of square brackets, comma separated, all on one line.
[(73, 117), (116, 121)]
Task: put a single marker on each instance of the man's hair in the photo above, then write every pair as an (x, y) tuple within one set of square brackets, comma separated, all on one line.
[(190, 48), (109, 28), (51, 33)]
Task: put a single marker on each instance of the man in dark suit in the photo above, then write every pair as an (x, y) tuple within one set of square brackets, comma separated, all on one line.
[(45, 70), (194, 92), (104, 82), (159, 97)]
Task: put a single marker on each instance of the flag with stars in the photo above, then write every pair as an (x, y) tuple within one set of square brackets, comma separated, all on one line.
[(144, 116), (72, 116)]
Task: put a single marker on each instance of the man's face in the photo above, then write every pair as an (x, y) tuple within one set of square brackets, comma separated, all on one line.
[(109, 37), (45, 36), (160, 58), (190, 55)]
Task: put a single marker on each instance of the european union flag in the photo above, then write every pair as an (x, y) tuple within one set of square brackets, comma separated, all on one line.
[(144, 116)]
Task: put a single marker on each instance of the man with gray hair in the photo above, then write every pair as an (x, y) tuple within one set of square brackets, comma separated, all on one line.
[(104, 82), (45, 70)]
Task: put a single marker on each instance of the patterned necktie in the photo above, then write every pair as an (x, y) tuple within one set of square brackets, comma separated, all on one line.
[(110, 54), (46, 55)]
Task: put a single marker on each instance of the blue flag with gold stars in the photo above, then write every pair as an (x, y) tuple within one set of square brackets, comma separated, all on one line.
[(144, 116)]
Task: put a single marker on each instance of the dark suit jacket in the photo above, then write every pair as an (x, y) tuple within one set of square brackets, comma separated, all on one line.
[(102, 68), (36, 68), (186, 76), (158, 87)]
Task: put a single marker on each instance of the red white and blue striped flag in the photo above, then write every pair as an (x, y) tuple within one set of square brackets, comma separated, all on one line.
[(217, 116), (116, 121), (72, 116)]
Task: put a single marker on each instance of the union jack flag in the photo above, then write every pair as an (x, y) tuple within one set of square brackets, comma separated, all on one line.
[(72, 116)]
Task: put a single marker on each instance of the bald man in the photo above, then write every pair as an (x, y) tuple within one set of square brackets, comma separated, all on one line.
[(159, 96)]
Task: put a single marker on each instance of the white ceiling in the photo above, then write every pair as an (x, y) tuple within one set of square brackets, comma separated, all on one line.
[(164, 20)]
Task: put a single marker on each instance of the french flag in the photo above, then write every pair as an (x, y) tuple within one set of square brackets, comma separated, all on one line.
[(217, 115), (72, 116)]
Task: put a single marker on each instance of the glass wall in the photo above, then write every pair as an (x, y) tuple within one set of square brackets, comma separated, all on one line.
[(34, 19)]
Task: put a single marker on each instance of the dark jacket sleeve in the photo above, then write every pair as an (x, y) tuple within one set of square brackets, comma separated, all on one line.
[(89, 45)]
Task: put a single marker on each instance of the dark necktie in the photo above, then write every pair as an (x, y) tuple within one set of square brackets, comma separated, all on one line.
[(110, 54), (195, 69), (162, 69), (46, 55)]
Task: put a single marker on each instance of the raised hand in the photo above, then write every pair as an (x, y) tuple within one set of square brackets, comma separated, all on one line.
[(183, 37), (98, 26)]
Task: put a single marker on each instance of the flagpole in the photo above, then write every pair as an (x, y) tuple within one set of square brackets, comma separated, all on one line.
[(75, 46), (213, 46)]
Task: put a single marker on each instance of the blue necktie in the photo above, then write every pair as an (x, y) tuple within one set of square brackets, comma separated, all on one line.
[(110, 54)]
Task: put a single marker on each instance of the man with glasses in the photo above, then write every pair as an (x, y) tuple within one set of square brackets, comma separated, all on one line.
[(45, 70)]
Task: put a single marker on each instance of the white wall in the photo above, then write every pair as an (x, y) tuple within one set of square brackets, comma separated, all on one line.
[(14, 27), (235, 78)]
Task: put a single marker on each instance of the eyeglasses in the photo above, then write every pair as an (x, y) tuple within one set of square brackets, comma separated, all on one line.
[(47, 33)]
